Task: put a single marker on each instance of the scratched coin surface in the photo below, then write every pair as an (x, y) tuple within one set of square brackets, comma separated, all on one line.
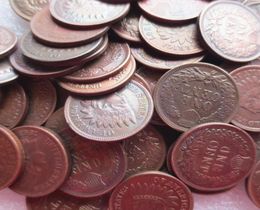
[(47, 31), (47, 162), (109, 63), (247, 79), (27, 8), (253, 186), (62, 201), (8, 41), (151, 190), (87, 12), (127, 28), (97, 167), (173, 10), (11, 157), (145, 151), (7, 73), (105, 86), (157, 62), (213, 156), (174, 40), (24, 66), (196, 93), (13, 105), (231, 30), (53, 55), (112, 117), (42, 101)]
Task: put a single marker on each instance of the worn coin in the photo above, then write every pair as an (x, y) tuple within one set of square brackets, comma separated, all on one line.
[(87, 13), (171, 39), (7, 73), (12, 157), (196, 93), (13, 106), (231, 30), (47, 162), (253, 186), (213, 156), (136, 77), (8, 41), (96, 167), (151, 190), (256, 137), (47, 31), (112, 117)]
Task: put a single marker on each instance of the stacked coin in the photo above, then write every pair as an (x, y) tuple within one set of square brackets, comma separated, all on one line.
[(131, 105)]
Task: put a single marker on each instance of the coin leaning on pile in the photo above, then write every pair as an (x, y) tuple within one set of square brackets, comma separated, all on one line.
[(130, 105)]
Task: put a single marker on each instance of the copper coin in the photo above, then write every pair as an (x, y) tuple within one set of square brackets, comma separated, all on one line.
[(236, 36), (24, 66), (47, 31), (157, 62), (109, 63), (113, 117), (254, 185), (7, 73), (12, 157), (193, 94), (8, 41), (96, 167), (145, 151), (127, 28), (42, 101), (171, 39), (87, 12), (47, 162), (27, 8), (247, 81), (173, 10), (59, 200), (256, 137), (213, 156), (105, 86), (151, 190), (56, 56), (136, 77), (13, 106)]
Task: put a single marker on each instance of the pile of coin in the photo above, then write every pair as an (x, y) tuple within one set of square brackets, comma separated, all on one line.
[(130, 105)]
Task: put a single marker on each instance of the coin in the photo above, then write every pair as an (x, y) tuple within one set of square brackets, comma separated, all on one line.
[(56, 56), (171, 39), (256, 137), (173, 10), (87, 13), (253, 185), (127, 28), (47, 162), (109, 63), (255, 6), (8, 41), (151, 190), (247, 81), (13, 106), (109, 85), (27, 8), (213, 156), (59, 200), (112, 117), (42, 101), (7, 73), (196, 93), (236, 36), (47, 31), (12, 157), (136, 77), (96, 168), (145, 151), (160, 62)]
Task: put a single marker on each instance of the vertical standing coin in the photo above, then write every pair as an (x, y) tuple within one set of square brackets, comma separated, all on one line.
[(213, 156), (254, 185), (47, 162), (11, 157), (231, 30), (151, 190), (8, 41)]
